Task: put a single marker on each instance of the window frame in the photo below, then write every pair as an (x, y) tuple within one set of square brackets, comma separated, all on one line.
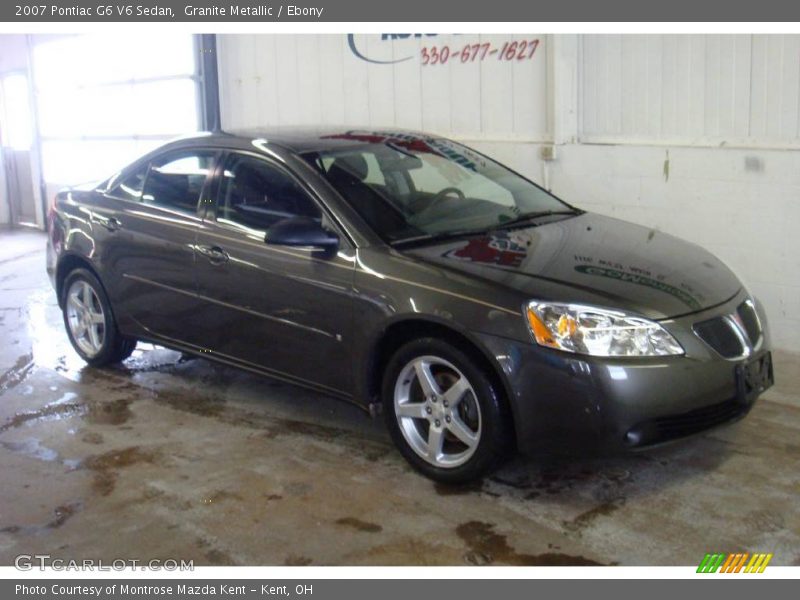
[(211, 213), (108, 189), (159, 158)]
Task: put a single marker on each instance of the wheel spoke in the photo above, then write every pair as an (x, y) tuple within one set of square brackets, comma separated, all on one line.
[(96, 318), (94, 337), (414, 410), (75, 301), (425, 377), (456, 392), (435, 443), (86, 296), (79, 330), (460, 429)]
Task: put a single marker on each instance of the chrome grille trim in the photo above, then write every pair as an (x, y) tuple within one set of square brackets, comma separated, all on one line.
[(750, 306), (737, 326), (741, 334)]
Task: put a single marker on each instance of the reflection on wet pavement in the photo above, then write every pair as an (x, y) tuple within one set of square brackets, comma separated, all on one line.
[(170, 456)]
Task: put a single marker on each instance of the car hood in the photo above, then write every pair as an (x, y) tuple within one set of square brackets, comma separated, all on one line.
[(593, 259)]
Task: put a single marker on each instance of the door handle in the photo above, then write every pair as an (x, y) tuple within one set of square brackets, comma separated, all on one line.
[(109, 223), (214, 254), (112, 224)]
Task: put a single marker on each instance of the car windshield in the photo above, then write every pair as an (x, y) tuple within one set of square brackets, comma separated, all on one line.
[(409, 188)]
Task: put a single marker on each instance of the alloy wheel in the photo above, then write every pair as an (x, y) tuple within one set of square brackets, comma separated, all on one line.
[(85, 317), (437, 411)]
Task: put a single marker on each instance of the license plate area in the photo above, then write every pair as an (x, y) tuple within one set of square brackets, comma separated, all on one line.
[(754, 377)]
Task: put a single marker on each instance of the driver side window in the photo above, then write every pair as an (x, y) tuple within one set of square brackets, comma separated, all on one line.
[(255, 195)]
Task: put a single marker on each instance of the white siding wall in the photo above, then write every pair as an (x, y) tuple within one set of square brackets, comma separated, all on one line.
[(310, 79), (694, 135), (711, 89)]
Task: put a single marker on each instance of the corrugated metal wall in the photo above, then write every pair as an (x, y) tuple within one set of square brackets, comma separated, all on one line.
[(698, 89), (279, 79), (737, 90)]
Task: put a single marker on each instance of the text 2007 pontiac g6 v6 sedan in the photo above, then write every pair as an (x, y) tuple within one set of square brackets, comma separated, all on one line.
[(409, 272)]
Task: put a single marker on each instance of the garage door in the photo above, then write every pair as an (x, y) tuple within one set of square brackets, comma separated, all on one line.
[(102, 100)]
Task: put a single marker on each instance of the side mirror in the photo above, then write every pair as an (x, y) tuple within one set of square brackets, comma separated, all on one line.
[(302, 231)]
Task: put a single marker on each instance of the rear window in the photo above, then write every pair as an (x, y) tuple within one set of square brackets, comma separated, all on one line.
[(176, 181)]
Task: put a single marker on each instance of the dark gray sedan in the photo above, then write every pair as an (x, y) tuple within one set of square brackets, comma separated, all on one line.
[(409, 273)]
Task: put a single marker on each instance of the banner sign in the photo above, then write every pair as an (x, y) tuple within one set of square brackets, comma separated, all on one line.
[(410, 10), (397, 589)]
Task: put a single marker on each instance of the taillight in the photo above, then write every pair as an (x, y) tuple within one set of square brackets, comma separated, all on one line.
[(51, 213)]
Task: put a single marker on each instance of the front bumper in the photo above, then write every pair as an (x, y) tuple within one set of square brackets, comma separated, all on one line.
[(570, 404)]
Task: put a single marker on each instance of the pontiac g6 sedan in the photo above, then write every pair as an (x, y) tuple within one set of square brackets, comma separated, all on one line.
[(410, 274)]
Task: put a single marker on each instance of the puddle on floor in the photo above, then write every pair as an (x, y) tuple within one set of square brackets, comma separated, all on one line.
[(18, 373), (32, 448), (105, 466), (359, 525), (486, 546)]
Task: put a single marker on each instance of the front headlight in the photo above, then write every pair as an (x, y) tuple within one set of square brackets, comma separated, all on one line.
[(598, 331)]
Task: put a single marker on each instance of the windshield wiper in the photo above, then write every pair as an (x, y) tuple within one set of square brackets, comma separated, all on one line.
[(437, 237), (459, 233), (525, 217)]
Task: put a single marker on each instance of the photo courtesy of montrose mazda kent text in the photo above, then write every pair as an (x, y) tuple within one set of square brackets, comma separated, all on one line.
[(410, 274)]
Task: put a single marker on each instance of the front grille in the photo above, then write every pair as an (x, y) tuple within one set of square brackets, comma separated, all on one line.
[(663, 429), (749, 318), (720, 335)]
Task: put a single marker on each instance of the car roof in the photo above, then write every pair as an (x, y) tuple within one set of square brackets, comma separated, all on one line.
[(304, 139)]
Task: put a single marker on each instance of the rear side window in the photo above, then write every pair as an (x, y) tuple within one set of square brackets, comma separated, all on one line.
[(256, 194), (131, 187), (176, 181)]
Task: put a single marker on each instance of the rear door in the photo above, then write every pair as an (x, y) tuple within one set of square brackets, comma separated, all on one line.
[(154, 228), (284, 309)]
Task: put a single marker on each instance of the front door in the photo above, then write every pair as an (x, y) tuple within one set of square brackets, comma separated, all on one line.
[(287, 310)]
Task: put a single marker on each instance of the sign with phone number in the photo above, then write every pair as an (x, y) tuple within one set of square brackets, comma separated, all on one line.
[(517, 50)]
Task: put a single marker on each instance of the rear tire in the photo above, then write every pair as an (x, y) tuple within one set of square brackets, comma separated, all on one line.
[(444, 412), (90, 323)]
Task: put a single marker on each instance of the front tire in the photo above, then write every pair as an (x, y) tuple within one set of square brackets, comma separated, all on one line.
[(444, 412), (90, 323)]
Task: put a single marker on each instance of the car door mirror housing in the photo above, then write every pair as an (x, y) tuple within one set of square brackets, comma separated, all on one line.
[(302, 231)]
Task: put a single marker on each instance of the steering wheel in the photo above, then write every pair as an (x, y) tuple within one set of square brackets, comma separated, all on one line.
[(434, 201), (446, 191)]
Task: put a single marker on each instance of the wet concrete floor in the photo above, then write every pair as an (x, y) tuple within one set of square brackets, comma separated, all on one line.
[(164, 457)]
